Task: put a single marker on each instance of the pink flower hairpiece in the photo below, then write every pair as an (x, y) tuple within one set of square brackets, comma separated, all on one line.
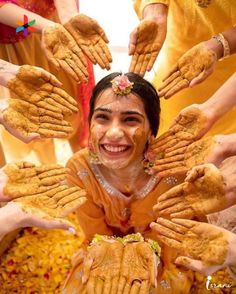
[(121, 85)]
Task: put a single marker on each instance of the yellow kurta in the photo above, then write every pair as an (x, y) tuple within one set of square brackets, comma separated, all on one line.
[(189, 24), (107, 211)]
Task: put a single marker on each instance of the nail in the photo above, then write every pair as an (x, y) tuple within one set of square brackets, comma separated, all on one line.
[(72, 230)]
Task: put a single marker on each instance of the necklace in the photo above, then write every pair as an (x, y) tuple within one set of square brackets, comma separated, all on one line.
[(115, 192), (203, 3)]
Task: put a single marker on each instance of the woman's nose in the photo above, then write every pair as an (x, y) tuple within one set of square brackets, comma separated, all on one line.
[(115, 133)]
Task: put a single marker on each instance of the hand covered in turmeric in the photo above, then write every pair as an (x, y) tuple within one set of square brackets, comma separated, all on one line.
[(39, 195), (54, 203), (203, 192), (190, 125), (62, 51), (145, 43), (203, 247), (138, 269), (91, 38), (40, 88), (24, 178), (228, 171), (15, 217), (101, 266), (205, 150), (28, 122), (192, 68)]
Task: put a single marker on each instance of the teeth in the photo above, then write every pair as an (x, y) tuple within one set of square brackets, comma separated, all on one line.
[(115, 149)]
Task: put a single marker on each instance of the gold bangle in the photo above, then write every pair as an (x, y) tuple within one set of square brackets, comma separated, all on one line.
[(223, 41)]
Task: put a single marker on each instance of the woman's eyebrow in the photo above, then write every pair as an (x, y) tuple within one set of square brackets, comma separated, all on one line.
[(103, 109), (128, 112)]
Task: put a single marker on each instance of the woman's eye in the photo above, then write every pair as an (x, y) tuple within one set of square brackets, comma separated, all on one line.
[(101, 117), (131, 119)]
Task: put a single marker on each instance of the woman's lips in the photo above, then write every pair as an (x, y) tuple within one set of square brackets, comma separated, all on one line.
[(115, 149)]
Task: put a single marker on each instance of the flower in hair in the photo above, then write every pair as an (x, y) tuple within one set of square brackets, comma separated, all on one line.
[(121, 85)]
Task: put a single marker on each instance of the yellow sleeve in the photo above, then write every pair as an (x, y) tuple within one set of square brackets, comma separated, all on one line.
[(91, 217), (72, 174), (92, 220), (139, 5)]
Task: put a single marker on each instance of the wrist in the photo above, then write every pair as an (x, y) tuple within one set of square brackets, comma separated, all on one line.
[(209, 112), (64, 19), (228, 144), (7, 72), (44, 23), (223, 143), (11, 216), (156, 12), (4, 104), (232, 253), (216, 46)]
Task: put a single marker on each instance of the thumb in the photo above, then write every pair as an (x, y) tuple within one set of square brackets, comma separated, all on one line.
[(201, 77), (195, 173), (86, 269), (33, 137), (197, 265), (133, 41), (52, 223), (189, 263)]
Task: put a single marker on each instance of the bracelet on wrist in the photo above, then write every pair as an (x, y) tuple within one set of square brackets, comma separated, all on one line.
[(225, 44)]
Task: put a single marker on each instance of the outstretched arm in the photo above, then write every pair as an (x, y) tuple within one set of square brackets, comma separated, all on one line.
[(148, 37), (59, 46), (196, 242), (39, 105), (207, 150), (194, 121), (14, 217), (66, 9), (11, 13), (221, 101), (36, 196), (198, 63), (205, 190)]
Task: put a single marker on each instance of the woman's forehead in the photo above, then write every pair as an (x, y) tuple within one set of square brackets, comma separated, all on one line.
[(109, 99)]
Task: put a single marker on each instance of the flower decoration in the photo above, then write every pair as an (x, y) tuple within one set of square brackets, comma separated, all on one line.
[(121, 85), (150, 156)]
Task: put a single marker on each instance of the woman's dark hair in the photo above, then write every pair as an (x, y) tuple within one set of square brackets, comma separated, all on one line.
[(142, 88)]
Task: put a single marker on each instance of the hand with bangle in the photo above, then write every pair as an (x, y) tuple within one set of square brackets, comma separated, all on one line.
[(192, 68), (198, 63)]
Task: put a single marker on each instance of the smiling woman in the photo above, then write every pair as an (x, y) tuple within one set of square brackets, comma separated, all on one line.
[(120, 194)]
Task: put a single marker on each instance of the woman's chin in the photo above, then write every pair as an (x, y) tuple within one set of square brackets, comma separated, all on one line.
[(115, 162)]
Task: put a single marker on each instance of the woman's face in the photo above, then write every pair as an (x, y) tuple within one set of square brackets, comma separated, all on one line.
[(119, 129)]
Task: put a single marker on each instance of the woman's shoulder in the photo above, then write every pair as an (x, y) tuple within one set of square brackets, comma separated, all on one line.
[(80, 157), (82, 153)]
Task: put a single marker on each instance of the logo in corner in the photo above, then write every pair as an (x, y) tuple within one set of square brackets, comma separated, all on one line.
[(26, 26)]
